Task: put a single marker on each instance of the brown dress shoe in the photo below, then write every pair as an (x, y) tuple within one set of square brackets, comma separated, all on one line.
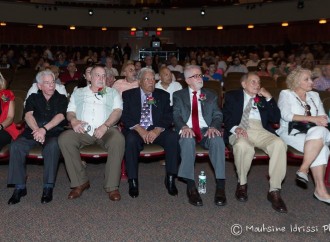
[(114, 195), (77, 191), (277, 203), (241, 193)]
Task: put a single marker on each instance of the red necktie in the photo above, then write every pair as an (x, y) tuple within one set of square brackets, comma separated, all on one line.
[(194, 117)]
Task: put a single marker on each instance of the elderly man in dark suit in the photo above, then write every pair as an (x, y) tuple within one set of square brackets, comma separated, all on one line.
[(147, 118), (199, 122), (248, 115)]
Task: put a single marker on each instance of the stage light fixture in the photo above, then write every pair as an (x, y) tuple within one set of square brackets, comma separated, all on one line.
[(300, 4), (322, 21)]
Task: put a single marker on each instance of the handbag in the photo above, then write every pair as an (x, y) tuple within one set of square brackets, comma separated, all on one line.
[(302, 127)]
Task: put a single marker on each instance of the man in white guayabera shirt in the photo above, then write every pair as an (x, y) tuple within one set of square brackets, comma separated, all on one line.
[(93, 113)]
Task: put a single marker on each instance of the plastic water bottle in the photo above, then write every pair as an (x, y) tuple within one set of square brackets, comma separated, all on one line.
[(202, 183)]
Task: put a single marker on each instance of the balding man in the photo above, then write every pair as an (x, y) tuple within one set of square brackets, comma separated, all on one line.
[(248, 114)]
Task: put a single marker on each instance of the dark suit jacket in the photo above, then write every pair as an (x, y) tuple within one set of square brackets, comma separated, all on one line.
[(182, 108), (162, 115), (233, 111)]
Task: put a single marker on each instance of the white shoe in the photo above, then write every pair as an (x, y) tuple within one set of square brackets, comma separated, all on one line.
[(326, 201), (303, 177)]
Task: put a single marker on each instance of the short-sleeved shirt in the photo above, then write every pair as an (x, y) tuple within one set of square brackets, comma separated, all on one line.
[(44, 111), (93, 108)]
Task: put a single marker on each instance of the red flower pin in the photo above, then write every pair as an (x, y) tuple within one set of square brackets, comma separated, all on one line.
[(202, 97)]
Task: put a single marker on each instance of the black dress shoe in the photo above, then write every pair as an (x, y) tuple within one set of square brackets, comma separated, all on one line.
[(47, 195), (133, 188), (170, 185), (241, 193), (194, 197), (16, 197), (220, 197), (277, 203)]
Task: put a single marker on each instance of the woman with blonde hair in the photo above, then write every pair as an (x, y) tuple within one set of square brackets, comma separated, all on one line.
[(8, 130), (303, 106)]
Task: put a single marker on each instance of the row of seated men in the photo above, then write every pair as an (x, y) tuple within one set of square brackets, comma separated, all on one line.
[(147, 116)]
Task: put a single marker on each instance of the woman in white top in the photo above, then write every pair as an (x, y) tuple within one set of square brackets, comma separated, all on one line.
[(300, 103)]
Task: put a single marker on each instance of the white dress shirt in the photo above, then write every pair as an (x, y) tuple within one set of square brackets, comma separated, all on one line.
[(173, 87), (202, 123)]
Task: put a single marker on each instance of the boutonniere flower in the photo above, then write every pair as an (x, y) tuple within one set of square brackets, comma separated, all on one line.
[(258, 102), (202, 97), (151, 101), (102, 91), (5, 98)]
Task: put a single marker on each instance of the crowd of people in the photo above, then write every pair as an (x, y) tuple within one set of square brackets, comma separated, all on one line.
[(171, 116), (216, 63)]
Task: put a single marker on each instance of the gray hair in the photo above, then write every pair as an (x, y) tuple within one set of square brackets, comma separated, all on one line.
[(188, 69), (109, 72), (142, 72), (293, 79), (41, 74), (246, 76)]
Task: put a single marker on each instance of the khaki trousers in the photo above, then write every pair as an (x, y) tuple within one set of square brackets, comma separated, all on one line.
[(272, 145), (112, 141)]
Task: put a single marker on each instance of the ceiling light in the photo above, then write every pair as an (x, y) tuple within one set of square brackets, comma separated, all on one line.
[(72, 27), (146, 18), (219, 27), (300, 4), (188, 28), (159, 29), (285, 24), (104, 29), (322, 21), (90, 12), (40, 26), (203, 12), (250, 26), (133, 29), (3, 24)]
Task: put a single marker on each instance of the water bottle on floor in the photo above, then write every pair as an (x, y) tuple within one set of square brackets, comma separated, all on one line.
[(202, 183)]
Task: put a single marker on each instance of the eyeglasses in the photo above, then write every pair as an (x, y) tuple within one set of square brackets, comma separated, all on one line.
[(196, 76), (306, 107), (307, 110)]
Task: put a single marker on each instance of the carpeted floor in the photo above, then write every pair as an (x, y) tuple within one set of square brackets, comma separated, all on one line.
[(157, 216)]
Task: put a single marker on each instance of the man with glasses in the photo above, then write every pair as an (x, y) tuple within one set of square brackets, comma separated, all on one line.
[(198, 119), (93, 113), (248, 117), (147, 118), (45, 120), (129, 82)]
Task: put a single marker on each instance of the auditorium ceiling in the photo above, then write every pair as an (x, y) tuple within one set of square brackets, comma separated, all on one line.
[(156, 4)]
